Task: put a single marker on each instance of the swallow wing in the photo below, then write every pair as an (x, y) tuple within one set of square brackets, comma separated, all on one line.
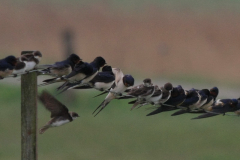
[(53, 105)]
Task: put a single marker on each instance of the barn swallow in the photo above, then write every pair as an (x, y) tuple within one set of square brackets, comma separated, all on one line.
[(103, 81), (212, 95), (7, 65), (59, 112), (195, 99), (221, 106), (141, 92), (27, 62), (177, 97), (82, 73), (61, 68), (166, 93), (154, 99), (122, 82)]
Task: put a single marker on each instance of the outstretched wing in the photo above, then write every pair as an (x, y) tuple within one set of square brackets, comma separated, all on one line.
[(53, 105)]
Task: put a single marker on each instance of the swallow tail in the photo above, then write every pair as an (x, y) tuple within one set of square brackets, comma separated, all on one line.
[(101, 94), (158, 110), (43, 129), (206, 115), (132, 102), (182, 111)]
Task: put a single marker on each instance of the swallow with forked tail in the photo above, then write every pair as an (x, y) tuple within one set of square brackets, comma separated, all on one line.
[(177, 97), (141, 92), (59, 112), (121, 83), (61, 68), (103, 81), (221, 106)]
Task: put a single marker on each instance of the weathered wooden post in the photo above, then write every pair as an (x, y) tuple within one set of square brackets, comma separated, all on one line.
[(29, 116)]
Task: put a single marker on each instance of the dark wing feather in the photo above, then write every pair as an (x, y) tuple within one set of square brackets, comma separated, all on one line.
[(53, 105)]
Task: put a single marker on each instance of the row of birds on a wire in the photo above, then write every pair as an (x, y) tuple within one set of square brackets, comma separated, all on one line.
[(74, 73)]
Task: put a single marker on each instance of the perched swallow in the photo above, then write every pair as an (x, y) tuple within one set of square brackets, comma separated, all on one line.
[(103, 81), (177, 97), (122, 82), (82, 73), (221, 106), (142, 92), (27, 62), (212, 95), (195, 99), (154, 99), (59, 112), (7, 65), (61, 68), (166, 93)]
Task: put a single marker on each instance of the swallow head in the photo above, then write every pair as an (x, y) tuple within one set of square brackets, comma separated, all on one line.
[(74, 115), (37, 55), (234, 103), (147, 82), (128, 80), (74, 58), (214, 92), (100, 61), (11, 60), (168, 86)]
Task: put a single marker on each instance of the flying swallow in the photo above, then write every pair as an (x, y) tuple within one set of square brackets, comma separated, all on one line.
[(61, 68), (221, 106), (59, 112), (177, 97), (122, 82), (7, 65)]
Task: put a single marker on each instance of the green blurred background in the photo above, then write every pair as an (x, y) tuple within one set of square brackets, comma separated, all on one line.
[(192, 43)]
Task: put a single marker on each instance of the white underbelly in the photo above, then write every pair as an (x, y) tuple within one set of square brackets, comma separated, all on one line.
[(30, 65), (101, 85), (155, 99), (59, 123)]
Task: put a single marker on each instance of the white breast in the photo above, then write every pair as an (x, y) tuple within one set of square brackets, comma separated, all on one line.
[(101, 85), (59, 123), (30, 65)]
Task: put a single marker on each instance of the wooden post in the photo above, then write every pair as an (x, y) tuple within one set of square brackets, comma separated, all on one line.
[(29, 116)]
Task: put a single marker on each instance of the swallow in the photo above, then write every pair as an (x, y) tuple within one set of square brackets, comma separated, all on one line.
[(141, 92), (195, 99), (177, 97), (7, 65), (166, 93), (221, 106), (79, 79), (212, 95), (154, 99), (103, 81), (61, 68), (82, 73), (27, 62), (122, 82), (59, 112)]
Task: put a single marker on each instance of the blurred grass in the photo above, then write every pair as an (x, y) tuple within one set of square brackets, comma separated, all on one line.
[(118, 133)]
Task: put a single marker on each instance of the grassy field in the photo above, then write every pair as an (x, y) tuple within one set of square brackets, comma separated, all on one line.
[(118, 133)]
